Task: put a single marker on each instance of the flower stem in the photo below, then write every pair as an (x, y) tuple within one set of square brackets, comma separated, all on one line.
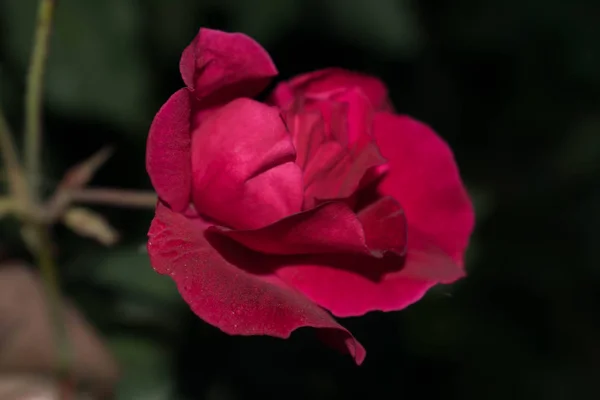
[(48, 270), (33, 96), (41, 243), (8, 151), (114, 197)]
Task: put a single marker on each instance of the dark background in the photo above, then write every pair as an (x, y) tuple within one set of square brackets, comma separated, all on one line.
[(513, 86)]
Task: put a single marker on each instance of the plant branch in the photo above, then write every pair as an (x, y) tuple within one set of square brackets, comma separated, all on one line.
[(36, 232), (8, 151), (114, 197), (49, 273), (33, 96)]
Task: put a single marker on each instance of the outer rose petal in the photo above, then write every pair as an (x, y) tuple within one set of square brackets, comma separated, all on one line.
[(353, 285), (244, 175), (332, 228), (326, 82), (220, 290), (168, 159), (219, 66), (424, 178)]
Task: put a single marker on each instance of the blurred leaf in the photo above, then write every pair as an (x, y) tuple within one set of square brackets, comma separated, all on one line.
[(146, 367), (95, 66), (129, 270), (82, 173), (391, 27), (88, 223), (6, 206), (136, 297)]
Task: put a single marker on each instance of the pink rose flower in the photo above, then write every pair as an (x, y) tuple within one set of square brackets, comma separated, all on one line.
[(273, 217)]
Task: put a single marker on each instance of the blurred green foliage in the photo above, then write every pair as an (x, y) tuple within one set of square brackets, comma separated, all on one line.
[(514, 86)]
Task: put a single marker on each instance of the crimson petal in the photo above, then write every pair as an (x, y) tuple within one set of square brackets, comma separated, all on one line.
[(210, 280), (244, 175), (308, 134), (352, 286), (168, 159), (220, 66), (424, 178), (332, 228), (321, 84), (332, 167)]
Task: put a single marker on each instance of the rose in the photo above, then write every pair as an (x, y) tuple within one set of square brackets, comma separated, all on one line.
[(323, 199), (421, 173)]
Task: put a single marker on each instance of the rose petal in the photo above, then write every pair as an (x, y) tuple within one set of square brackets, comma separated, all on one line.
[(308, 134), (326, 173), (424, 178), (358, 118), (331, 228), (336, 173), (214, 279), (283, 95), (219, 66), (168, 159), (385, 226), (244, 175), (332, 168), (348, 116), (354, 285), (320, 85)]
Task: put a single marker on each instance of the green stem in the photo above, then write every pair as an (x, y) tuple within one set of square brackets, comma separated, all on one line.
[(42, 245), (49, 273), (8, 151), (33, 96), (114, 197)]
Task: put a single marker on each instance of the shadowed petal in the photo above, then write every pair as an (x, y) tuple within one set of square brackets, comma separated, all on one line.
[(214, 279), (353, 285), (308, 134), (331, 228)]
